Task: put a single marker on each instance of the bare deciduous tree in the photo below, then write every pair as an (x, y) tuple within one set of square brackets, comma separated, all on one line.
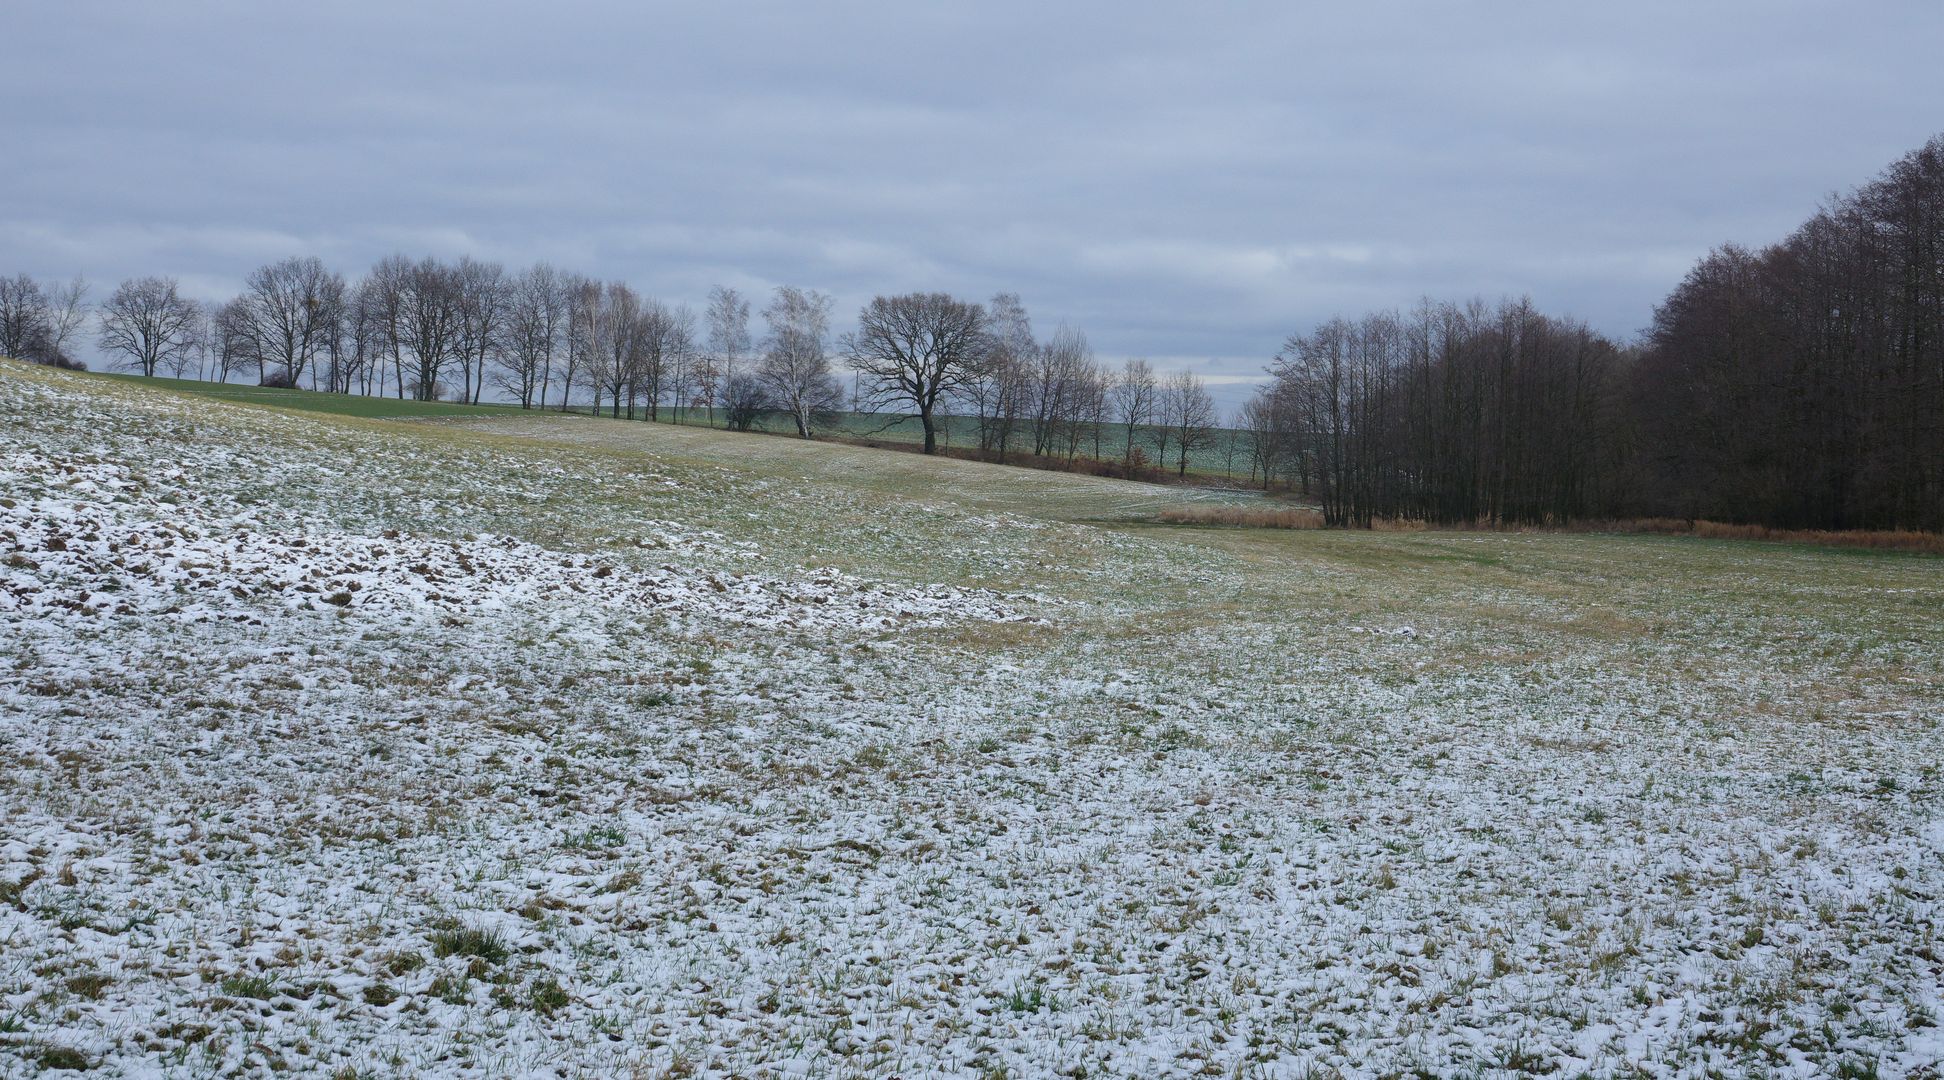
[(293, 307), (67, 311), (182, 362), (583, 322), (1186, 410), (745, 399), (680, 359), (381, 298), (1260, 420), (148, 323), (616, 355), (229, 339), (482, 300), (23, 317), (998, 388), (915, 349), (430, 324), (535, 317), (1133, 401), (1064, 377)]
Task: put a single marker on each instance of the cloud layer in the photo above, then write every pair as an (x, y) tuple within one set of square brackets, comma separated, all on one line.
[(1189, 183)]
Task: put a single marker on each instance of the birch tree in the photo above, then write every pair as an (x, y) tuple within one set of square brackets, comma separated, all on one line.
[(795, 368)]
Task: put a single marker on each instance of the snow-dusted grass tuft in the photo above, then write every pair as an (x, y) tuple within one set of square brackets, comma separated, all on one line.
[(532, 745)]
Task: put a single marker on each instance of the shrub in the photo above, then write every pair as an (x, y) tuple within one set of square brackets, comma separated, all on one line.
[(745, 401)]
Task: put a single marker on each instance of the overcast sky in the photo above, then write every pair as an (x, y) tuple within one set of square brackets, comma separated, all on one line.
[(1185, 182)]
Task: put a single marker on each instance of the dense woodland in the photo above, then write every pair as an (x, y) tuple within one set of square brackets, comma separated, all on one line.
[(1452, 413), (1803, 385), (1800, 386)]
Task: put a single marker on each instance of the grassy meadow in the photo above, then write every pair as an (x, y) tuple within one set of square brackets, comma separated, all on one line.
[(955, 432), (496, 743)]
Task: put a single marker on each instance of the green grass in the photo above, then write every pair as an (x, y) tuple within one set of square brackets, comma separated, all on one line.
[(1208, 713), (960, 433), (469, 942), (956, 432), (316, 400), (255, 987)]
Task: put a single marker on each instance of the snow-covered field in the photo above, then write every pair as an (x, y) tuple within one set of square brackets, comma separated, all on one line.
[(552, 746)]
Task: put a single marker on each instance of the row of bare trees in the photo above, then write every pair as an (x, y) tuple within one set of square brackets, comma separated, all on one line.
[(927, 353), (1452, 413), (429, 329), (38, 321)]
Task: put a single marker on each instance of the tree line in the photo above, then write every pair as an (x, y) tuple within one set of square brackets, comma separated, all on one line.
[(465, 330), (1799, 387), (1450, 413), (1802, 385)]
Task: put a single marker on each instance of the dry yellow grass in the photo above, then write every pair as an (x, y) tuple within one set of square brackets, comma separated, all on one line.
[(1290, 517), (1880, 539), (1303, 518)]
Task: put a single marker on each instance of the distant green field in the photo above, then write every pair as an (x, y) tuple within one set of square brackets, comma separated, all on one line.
[(958, 432), (316, 400), (962, 432)]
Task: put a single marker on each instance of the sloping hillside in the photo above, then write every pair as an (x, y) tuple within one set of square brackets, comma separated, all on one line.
[(540, 744)]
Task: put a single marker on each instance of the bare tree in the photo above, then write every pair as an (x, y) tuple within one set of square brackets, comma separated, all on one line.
[(430, 324), (367, 341), (1235, 442), (583, 319), (23, 317), (796, 366), (1087, 405), (915, 349), (229, 339), (662, 339), (1188, 413), (149, 323), (616, 332), (183, 361), (998, 388), (1061, 374), (381, 298), (293, 306), (482, 300), (1133, 401), (1261, 419), (729, 342), (535, 317), (680, 352), (67, 311)]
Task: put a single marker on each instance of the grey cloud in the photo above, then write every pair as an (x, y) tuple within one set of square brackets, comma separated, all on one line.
[(1187, 183)]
